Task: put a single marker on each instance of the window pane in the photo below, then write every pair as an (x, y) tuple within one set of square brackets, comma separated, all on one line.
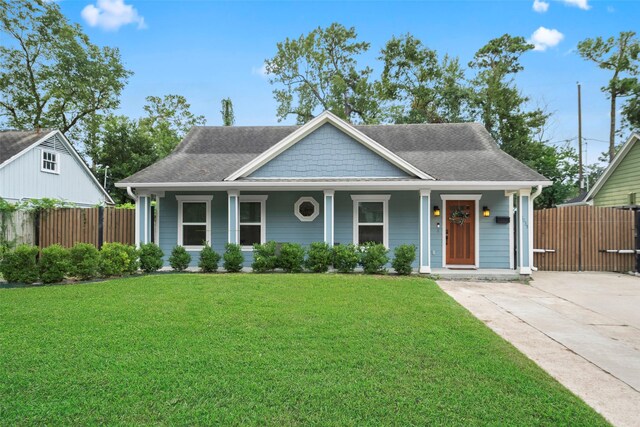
[(370, 233), (306, 209), (194, 235), (370, 212), (249, 234), (250, 212), (194, 212)]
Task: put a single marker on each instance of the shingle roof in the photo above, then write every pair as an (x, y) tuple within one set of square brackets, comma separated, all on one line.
[(447, 152), (14, 141)]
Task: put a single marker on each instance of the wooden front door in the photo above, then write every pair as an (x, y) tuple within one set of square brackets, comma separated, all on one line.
[(461, 232)]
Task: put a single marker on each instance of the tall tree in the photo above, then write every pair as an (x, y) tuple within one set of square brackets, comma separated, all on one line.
[(51, 75), (167, 121), (228, 118), (620, 57), (419, 88), (319, 71)]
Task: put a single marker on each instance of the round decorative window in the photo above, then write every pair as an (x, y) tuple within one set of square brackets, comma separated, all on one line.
[(306, 209)]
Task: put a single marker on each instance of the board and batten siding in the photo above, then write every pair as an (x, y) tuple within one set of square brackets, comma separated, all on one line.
[(328, 152), (23, 179), (624, 180)]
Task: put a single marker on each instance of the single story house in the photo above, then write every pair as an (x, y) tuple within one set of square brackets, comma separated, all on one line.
[(619, 184), (43, 164), (446, 188)]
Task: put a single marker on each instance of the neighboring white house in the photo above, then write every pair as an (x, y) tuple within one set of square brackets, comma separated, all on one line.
[(44, 164)]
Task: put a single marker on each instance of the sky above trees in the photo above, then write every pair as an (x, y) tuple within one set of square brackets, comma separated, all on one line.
[(209, 50)]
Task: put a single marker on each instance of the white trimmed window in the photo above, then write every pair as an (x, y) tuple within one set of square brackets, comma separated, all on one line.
[(371, 218), (194, 221), (252, 220), (306, 209), (50, 162)]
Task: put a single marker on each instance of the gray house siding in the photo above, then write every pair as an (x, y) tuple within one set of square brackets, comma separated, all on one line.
[(328, 152), (404, 223), (22, 178)]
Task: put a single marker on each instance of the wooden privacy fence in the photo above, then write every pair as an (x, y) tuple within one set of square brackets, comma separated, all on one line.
[(585, 238), (68, 226)]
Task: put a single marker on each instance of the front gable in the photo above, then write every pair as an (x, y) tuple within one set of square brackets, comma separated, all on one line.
[(328, 153)]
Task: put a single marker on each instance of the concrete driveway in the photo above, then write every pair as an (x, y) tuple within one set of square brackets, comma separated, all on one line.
[(582, 328)]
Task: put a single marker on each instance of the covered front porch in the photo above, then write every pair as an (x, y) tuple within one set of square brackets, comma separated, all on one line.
[(494, 235)]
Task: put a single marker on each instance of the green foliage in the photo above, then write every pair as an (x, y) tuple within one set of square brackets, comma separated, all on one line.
[(228, 118), (319, 257), (180, 258), (319, 71), (620, 56), (52, 76), (84, 260), (264, 257), (54, 264), (209, 260), (233, 258), (116, 259), (150, 257), (403, 257), (291, 258), (19, 266), (345, 258), (373, 258)]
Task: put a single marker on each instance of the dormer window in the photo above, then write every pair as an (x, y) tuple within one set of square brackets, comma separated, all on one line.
[(50, 162)]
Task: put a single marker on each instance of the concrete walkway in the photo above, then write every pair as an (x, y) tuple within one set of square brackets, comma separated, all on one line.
[(582, 328)]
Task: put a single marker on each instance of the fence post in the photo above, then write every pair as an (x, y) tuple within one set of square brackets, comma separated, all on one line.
[(100, 226), (637, 227), (36, 228)]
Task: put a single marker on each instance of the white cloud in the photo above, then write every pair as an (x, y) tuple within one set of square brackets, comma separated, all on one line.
[(260, 71), (611, 9), (111, 15), (540, 6), (582, 4), (544, 38)]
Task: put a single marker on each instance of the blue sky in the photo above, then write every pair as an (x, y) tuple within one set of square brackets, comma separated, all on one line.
[(208, 50)]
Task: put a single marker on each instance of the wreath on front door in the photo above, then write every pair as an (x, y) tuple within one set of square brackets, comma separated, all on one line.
[(459, 216)]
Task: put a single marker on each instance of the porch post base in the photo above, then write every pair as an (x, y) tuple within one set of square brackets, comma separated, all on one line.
[(525, 271), (425, 269)]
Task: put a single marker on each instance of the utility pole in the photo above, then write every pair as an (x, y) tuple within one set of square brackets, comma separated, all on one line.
[(580, 167)]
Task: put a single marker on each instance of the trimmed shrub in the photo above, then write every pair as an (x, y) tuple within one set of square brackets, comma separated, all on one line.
[(403, 257), (318, 257), (233, 258), (150, 257), (133, 255), (114, 259), (53, 264), (345, 258), (264, 257), (291, 258), (84, 259), (179, 258), (209, 260), (373, 258), (19, 266)]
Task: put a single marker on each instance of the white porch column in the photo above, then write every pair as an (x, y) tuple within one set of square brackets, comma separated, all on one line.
[(233, 215), (143, 219), (425, 231), (328, 216), (525, 231)]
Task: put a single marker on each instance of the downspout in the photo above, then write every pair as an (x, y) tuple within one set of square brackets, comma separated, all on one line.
[(130, 194), (532, 198)]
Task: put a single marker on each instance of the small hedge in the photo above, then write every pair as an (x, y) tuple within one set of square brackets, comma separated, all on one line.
[(264, 257), (19, 266), (373, 258), (54, 264), (209, 260), (117, 259), (84, 260), (319, 257), (233, 258), (179, 259), (403, 257), (150, 257), (345, 258), (291, 258)]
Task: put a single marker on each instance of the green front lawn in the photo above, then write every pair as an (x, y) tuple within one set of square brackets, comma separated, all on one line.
[(264, 349)]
